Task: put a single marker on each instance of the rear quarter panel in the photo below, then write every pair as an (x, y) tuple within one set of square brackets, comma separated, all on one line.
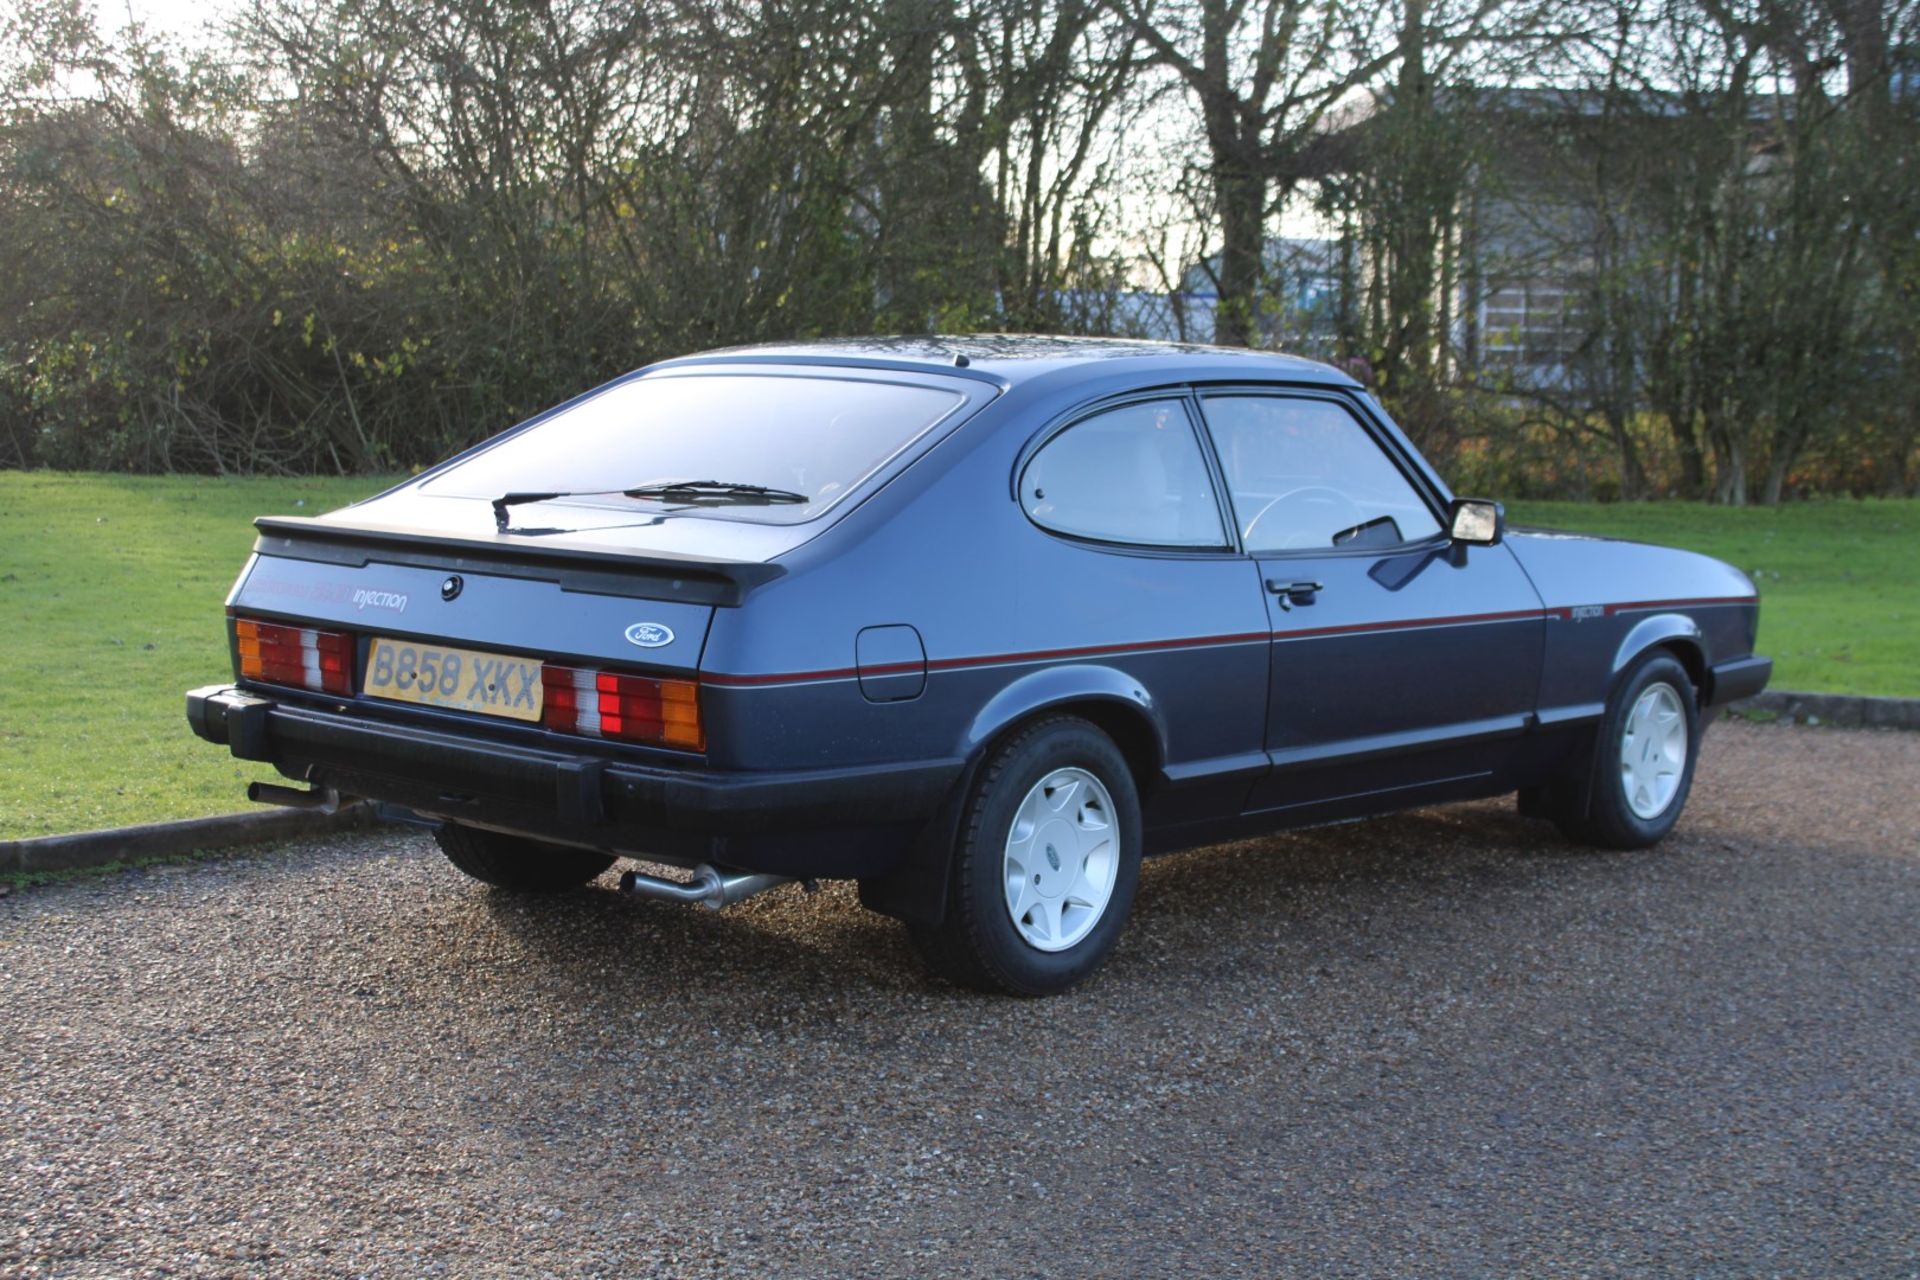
[(1012, 618)]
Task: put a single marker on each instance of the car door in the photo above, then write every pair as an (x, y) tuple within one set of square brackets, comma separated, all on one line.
[(1403, 665)]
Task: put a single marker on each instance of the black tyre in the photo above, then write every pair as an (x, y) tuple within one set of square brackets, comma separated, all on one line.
[(516, 862), (1045, 865), (1643, 758)]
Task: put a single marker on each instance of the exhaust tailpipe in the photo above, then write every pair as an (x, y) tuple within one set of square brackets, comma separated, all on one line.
[(710, 887), (324, 799)]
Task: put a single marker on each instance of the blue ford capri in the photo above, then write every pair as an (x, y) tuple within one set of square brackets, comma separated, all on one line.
[(976, 622)]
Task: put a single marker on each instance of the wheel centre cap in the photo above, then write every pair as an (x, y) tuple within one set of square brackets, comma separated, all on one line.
[(1059, 858)]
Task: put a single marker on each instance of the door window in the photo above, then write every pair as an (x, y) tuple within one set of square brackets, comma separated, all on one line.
[(1304, 474), (1134, 474)]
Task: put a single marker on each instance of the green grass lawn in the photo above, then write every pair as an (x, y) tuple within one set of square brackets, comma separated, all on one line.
[(111, 591), (1839, 581)]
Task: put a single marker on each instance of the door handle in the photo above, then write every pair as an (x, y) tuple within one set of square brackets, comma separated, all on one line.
[(1293, 593)]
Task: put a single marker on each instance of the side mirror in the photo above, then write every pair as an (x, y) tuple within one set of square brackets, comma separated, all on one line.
[(1477, 522)]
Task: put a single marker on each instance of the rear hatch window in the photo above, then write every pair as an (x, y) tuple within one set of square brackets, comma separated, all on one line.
[(819, 438)]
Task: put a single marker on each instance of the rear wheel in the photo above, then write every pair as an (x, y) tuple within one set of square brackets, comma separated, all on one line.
[(1643, 758), (517, 862), (1045, 867)]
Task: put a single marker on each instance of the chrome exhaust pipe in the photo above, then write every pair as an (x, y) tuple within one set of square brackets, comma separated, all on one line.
[(710, 887), (323, 799)]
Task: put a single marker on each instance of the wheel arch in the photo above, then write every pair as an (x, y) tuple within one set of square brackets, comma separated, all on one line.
[(1109, 698), (1677, 634), (1671, 633), (1575, 801), (1114, 702)]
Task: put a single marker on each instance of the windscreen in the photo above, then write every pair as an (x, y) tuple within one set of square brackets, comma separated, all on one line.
[(814, 437)]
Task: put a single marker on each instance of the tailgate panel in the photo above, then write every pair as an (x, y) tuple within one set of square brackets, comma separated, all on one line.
[(487, 612)]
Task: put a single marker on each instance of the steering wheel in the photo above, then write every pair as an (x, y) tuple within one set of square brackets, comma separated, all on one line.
[(1313, 495)]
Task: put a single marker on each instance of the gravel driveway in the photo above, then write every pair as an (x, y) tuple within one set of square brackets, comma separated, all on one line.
[(1446, 1043)]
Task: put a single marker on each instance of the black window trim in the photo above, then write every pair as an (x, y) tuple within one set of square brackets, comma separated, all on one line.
[(1178, 393), (1355, 409)]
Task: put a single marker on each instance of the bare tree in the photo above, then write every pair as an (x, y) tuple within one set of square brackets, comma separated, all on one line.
[(1262, 77)]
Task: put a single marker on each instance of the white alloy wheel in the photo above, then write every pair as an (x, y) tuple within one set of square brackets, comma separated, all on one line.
[(1061, 860), (1653, 751)]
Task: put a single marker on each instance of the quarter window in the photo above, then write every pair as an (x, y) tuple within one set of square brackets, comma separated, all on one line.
[(1134, 474), (1304, 474)]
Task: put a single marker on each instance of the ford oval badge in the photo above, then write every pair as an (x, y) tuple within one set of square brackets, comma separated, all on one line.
[(649, 635)]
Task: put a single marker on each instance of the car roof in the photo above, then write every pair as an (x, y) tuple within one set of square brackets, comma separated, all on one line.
[(1010, 359)]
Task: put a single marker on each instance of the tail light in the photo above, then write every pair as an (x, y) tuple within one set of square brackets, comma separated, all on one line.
[(297, 656), (607, 704)]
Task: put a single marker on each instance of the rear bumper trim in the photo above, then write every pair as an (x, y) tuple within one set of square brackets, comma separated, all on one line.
[(578, 791)]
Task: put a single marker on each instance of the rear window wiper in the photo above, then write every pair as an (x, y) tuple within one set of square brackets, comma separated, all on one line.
[(715, 491), (686, 492)]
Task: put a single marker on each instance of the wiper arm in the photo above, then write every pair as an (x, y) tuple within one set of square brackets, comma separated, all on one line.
[(506, 500), (688, 491), (513, 499)]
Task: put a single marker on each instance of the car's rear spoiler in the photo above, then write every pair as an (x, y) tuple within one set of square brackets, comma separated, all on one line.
[(577, 565)]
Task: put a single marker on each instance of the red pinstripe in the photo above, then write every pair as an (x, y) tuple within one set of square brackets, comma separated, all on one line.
[(1200, 642)]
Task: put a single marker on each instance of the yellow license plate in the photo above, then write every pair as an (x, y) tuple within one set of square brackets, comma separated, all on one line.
[(437, 675)]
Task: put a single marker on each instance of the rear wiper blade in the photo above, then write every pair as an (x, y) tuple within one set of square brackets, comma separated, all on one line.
[(688, 491), (715, 490)]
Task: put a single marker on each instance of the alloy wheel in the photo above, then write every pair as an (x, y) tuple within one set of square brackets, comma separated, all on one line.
[(1653, 751), (1061, 859)]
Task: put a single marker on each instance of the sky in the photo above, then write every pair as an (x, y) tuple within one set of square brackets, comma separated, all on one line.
[(180, 19)]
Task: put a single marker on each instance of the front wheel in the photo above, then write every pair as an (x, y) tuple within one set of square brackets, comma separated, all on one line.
[(1643, 758), (1045, 866)]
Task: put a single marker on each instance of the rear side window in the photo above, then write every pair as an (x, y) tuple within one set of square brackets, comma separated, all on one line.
[(818, 437), (1134, 474)]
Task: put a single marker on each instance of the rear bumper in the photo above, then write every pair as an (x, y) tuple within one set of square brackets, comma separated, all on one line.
[(816, 822), (1740, 678)]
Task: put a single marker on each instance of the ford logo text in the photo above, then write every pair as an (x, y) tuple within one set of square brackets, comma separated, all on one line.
[(649, 635)]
